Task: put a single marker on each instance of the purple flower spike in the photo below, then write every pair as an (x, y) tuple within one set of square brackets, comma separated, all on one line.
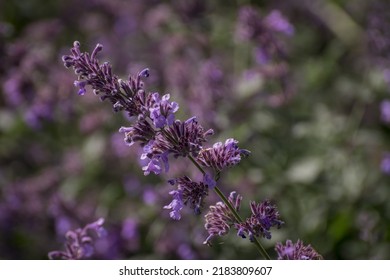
[(296, 251)]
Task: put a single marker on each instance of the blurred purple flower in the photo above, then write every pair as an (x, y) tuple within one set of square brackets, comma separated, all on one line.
[(262, 31), (149, 196), (385, 111), (79, 242), (277, 22), (129, 229), (385, 163), (296, 251)]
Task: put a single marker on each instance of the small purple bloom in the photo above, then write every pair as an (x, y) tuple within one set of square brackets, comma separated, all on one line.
[(81, 85), (162, 112), (296, 251), (191, 193), (176, 205), (155, 164)]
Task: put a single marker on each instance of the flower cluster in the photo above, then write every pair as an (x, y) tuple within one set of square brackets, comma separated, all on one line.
[(296, 251), (188, 192), (155, 127), (222, 155), (264, 216), (79, 242), (161, 136)]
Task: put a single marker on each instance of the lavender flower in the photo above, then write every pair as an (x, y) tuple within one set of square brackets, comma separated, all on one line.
[(124, 95), (222, 155), (161, 135), (162, 112), (79, 243), (219, 219), (264, 216), (188, 192), (176, 205), (296, 251), (277, 22), (141, 132), (180, 139), (166, 136), (252, 27)]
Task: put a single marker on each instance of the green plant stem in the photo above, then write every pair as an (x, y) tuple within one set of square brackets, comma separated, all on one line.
[(257, 243)]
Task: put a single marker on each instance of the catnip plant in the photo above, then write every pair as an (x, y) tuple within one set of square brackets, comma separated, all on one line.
[(164, 138)]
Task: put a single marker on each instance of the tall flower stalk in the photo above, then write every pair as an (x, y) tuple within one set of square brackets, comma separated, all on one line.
[(162, 137)]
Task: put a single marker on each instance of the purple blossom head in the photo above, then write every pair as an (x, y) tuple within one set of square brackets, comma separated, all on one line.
[(79, 242), (264, 216), (179, 139), (191, 193), (219, 219), (296, 251), (222, 155), (124, 95)]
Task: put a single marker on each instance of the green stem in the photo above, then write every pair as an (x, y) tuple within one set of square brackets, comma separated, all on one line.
[(257, 243)]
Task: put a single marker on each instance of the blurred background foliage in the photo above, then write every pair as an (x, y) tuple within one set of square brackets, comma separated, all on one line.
[(311, 117)]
